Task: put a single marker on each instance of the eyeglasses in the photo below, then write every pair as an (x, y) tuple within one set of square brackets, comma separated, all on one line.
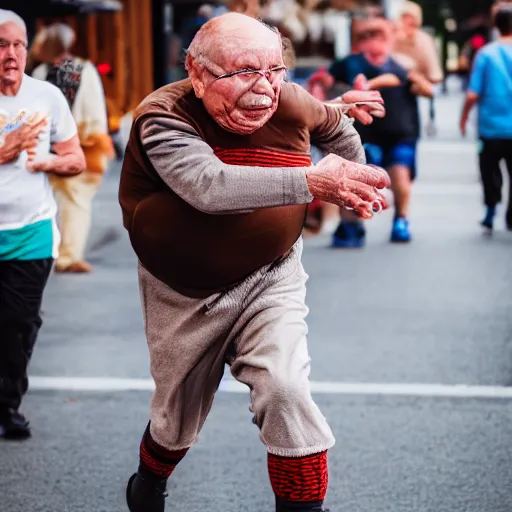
[(271, 74)]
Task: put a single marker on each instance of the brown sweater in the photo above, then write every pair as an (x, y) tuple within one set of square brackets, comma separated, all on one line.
[(204, 207)]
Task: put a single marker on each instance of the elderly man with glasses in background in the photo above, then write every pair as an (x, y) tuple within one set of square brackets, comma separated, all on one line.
[(34, 119), (214, 190)]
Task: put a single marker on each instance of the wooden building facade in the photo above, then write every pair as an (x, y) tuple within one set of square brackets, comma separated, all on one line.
[(120, 43)]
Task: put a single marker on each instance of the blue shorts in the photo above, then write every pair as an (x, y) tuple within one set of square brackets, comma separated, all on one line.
[(388, 155)]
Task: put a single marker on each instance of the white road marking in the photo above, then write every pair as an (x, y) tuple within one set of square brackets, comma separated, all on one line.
[(107, 384), (451, 147)]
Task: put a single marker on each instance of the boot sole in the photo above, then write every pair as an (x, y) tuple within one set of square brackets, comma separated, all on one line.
[(129, 490), (15, 434)]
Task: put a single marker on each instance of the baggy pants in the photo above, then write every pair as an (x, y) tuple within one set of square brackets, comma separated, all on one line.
[(22, 285), (492, 153), (74, 195), (259, 329)]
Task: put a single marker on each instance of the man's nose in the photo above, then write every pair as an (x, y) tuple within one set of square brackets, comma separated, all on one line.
[(263, 86), (11, 54)]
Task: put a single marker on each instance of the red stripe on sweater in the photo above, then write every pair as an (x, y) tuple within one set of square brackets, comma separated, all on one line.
[(262, 157)]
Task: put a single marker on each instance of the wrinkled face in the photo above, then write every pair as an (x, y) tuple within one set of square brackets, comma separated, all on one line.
[(410, 25), (240, 87), (13, 53)]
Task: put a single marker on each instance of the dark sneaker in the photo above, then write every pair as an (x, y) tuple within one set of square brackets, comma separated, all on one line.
[(298, 506), (508, 219), (488, 220), (144, 495), (349, 235), (13, 425), (400, 233)]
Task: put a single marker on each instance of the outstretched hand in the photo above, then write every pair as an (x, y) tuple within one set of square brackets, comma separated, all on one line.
[(361, 105), (348, 184)]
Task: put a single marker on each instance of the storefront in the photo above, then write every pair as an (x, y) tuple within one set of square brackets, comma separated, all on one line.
[(117, 35)]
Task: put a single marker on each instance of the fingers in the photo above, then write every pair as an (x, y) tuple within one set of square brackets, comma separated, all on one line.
[(362, 96), (376, 110), (361, 115), (373, 176), (361, 83), (365, 113), (366, 193), (351, 201), (34, 126), (35, 166), (29, 144), (370, 199), (35, 120)]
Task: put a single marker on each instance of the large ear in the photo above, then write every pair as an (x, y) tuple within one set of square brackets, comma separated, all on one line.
[(196, 74)]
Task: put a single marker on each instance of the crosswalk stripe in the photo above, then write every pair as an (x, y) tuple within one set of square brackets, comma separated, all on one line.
[(110, 384)]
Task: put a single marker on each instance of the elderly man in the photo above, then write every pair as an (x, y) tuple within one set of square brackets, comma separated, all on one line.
[(81, 84), (34, 117), (214, 191)]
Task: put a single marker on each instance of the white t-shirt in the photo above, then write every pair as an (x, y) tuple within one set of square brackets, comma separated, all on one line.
[(26, 197)]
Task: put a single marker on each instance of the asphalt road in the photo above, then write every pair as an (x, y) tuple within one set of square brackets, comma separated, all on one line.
[(436, 312)]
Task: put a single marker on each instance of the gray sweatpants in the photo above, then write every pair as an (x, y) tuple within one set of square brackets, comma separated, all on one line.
[(259, 329)]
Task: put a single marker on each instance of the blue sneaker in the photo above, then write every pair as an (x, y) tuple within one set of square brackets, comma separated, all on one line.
[(349, 235), (488, 221), (400, 232)]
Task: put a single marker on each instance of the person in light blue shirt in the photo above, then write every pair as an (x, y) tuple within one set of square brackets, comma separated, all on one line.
[(490, 87)]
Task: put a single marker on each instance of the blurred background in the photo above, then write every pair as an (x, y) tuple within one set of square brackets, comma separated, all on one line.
[(138, 45), (411, 344)]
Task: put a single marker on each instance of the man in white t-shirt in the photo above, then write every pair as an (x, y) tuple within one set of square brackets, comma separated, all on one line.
[(34, 119)]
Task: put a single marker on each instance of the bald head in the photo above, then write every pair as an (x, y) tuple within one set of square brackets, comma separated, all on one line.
[(232, 30), (235, 64)]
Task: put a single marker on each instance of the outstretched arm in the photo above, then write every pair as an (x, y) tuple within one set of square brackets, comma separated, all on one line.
[(189, 166)]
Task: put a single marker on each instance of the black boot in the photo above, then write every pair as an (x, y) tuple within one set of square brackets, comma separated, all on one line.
[(145, 493), (13, 425), (294, 506), (508, 218)]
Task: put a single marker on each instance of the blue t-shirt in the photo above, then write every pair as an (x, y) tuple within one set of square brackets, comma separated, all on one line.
[(491, 79), (401, 123)]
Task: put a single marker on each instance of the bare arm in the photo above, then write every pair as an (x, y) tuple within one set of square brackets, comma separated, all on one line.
[(69, 159), (471, 101), (420, 86), (190, 168)]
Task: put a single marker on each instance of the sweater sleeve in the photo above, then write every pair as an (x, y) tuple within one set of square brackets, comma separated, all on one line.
[(188, 165)]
